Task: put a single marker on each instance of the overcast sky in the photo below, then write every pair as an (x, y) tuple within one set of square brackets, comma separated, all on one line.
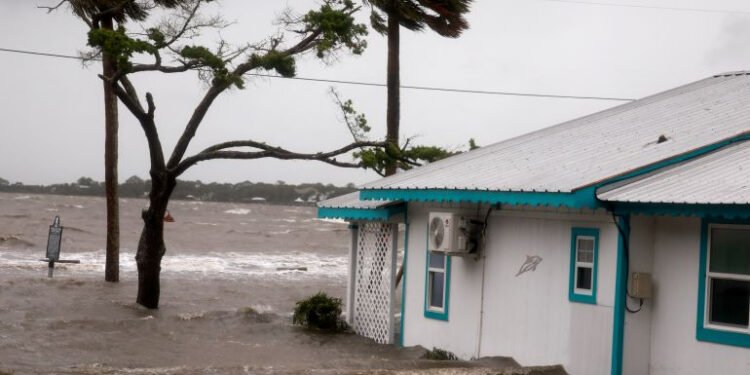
[(52, 125)]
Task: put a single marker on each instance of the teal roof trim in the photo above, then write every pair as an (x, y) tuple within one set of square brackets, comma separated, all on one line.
[(584, 198), (726, 211), (355, 214)]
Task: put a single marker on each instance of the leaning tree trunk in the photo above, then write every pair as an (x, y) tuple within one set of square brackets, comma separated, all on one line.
[(112, 264), (151, 247), (393, 111)]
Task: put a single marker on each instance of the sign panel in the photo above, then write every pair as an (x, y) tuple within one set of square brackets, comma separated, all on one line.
[(54, 240)]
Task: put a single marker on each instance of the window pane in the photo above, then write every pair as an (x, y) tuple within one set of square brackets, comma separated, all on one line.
[(437, 260), (583, 278), (586, 256), (436, 289), (585, 250), (730, 302), (730, 250), (586, 244)]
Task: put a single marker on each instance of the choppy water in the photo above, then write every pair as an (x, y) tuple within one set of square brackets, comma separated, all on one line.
[(227, 289), (207, 241)]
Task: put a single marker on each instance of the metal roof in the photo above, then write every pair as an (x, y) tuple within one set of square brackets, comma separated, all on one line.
[(352, 201), (591, 149), (722, 177)]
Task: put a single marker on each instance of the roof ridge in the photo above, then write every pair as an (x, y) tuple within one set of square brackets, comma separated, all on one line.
[(731, 74)]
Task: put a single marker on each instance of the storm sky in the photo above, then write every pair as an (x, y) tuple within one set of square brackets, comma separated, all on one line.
[(52, 125)]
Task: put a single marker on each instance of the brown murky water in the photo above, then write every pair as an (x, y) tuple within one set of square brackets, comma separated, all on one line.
[(225, 305)]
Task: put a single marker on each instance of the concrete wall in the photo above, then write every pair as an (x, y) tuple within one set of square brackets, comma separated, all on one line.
[(674, 348), (527, 317)]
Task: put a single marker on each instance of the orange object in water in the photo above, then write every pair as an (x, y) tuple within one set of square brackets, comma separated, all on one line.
[(168, 218)]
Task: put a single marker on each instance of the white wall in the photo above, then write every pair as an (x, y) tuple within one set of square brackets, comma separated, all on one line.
[(459, 334), (530, 318), (674, 348), (637, 337), (527, 317)]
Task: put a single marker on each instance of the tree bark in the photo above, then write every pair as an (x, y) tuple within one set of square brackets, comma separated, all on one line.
[(151, 248), (112, 264), (393, 111)]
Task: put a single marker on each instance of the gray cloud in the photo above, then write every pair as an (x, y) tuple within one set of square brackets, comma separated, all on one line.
[(51, 129)]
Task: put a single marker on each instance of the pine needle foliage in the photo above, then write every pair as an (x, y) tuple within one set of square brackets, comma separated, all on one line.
[(445, 17)]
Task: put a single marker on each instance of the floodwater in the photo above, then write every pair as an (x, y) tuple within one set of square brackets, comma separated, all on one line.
[(226, 301)]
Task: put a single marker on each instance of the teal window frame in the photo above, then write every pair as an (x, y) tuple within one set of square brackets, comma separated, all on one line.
[(573, 295), (705, 331), (433, 313)]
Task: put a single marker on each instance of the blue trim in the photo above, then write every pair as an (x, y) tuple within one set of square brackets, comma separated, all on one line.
[(728, 211), (572, 295), (403, 275), (376, 214), (446, 303), (621, 279), (710, 334), (584, 198)]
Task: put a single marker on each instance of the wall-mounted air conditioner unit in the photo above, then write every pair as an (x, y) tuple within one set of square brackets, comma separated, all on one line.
[(453, 234)]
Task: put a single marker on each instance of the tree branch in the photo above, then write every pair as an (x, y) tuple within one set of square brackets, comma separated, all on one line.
[(157, 67), (220, 85), (125, 97), (146, 119), (53, 8), (151, 106), (218, 151), (130, 90), (83, 17), (185, 25), (195, 120)]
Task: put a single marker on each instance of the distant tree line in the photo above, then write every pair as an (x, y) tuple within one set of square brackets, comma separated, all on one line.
[(136, 187)]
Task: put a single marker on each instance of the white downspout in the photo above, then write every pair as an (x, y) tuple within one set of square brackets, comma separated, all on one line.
[(483, 257)]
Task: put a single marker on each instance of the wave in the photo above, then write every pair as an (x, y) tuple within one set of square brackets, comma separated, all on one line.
[(212, 265), (238, 211), (15, 240)]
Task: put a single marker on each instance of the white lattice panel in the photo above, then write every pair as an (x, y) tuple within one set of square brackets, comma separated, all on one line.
[(374, 282)]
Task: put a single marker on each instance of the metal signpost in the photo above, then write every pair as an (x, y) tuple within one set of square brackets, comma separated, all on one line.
[(53, 247)]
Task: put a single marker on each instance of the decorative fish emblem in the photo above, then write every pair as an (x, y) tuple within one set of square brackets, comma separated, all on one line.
[(530, 264)]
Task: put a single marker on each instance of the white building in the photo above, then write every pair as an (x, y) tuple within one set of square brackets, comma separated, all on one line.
[(616, 243)]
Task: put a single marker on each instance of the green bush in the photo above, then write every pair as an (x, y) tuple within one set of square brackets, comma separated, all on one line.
[(440, 355), (319, 312)]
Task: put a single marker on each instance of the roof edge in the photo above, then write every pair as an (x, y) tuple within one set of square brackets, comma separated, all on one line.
[(585, 198), (361, 214)]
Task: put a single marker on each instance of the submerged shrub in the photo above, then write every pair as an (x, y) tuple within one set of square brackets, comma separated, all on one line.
[(440, 355), (319, 312)]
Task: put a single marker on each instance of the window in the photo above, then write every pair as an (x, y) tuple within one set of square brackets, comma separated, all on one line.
[(724, 294), (437, 286), (728, 277), (584, 248), (437, 282)]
